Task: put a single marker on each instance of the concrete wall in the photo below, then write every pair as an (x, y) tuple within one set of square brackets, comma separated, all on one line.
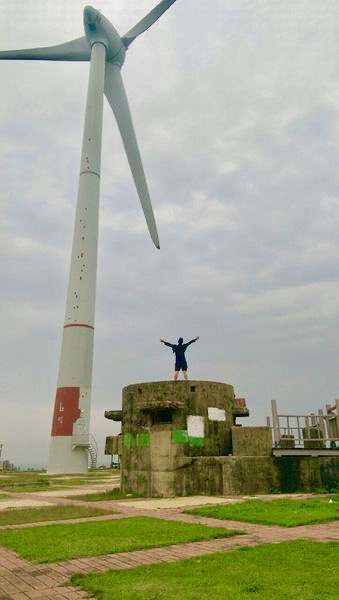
[(165, 424), (236, 475), (308, 474), (179, 438), (251, 441)]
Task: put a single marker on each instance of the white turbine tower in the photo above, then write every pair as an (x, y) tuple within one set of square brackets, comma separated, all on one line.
[(103, 46)]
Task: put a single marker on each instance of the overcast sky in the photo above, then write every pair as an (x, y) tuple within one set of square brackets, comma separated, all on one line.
[(236, 109)]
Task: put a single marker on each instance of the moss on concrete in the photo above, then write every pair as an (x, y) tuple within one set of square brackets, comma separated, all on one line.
[(178, 438), (251, 441)]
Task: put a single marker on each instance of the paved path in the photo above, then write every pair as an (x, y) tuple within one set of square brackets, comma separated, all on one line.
[(23, 580)]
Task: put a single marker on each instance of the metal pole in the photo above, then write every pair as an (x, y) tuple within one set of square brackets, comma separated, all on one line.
[(329, 422), (275, 420), (71, 419), (337, 418), (298, 429), (322, 423)]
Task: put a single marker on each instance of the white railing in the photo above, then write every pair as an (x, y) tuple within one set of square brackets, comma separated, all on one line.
[(306, 430)]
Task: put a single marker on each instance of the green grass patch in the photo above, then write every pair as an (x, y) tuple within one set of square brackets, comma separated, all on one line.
[(26, 483), (63, 542), (34, 482), (298, 570), (48, 513), (78, 482), (114, 494), (285, 512), (3, 496)]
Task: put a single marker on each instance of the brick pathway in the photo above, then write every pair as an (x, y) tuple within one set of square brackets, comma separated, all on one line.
[(23, 580)]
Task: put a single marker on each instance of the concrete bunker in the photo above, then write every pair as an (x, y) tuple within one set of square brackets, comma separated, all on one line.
[(181, 438)]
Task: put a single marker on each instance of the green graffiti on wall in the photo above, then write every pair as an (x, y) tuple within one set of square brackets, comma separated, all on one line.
[(127, 440), (179, 436), (195, 442), (143, 440)]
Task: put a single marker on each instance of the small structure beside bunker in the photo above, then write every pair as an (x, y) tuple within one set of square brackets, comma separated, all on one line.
[(180, 438)]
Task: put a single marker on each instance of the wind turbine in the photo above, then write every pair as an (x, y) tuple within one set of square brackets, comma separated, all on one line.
[(106, 51)]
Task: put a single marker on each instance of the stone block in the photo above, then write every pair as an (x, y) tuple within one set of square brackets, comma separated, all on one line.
[(251, 441), (249, 475), (113, 445), (313, 438), (113, 415), (287, 441), (239, 408)]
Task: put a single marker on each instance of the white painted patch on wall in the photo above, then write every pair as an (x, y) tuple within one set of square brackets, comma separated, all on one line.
[(195, 426), (216, 414)]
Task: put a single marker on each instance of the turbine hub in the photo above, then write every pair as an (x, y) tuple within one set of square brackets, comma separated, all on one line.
[(99, 29)]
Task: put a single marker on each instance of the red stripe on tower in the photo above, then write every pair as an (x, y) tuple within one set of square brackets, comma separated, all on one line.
[(78, 325)]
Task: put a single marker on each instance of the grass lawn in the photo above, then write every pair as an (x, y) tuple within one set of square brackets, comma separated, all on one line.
[(57, 483), (47, 513), (33, 481), (63, 542), (298, 570), (285, 512), (24, 483), (3, 496)]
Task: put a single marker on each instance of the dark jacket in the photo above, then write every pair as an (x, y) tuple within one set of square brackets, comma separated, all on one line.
[(179, 351)]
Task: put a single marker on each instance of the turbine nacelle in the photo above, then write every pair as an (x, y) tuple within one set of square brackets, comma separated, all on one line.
[(98, 29)]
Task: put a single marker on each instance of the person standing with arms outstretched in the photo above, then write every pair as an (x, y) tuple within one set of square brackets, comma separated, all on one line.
[(180, 360)]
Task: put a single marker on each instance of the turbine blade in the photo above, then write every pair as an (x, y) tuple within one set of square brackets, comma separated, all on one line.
[(116, 96), (146, 22), (78, 49)]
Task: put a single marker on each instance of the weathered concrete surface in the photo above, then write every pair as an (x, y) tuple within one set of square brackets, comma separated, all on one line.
[(249, 475), (113, 445), (113, 415), (165, 424), (313, 438), (251, 441), (181, 439), (308, 473), (287, 441)]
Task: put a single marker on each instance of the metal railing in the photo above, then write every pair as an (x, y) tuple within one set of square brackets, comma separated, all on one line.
[(305, 431), (92, 452)]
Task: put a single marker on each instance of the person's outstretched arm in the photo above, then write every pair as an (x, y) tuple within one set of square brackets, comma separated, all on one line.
[(167, 343), (191, 342)]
